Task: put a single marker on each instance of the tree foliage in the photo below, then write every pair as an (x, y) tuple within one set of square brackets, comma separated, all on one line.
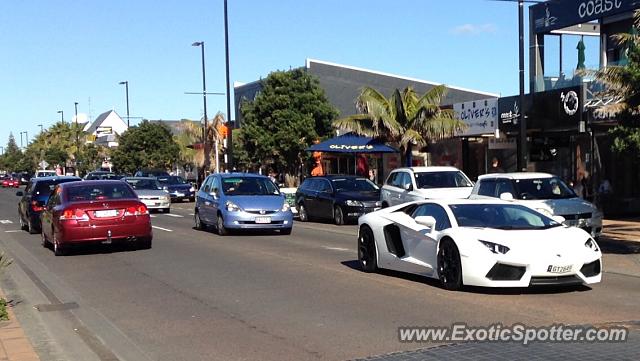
[(12, 157), (147, 145), (284, 119), (404, 119)]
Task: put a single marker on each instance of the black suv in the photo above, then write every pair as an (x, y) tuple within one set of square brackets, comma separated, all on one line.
[(339, 197)]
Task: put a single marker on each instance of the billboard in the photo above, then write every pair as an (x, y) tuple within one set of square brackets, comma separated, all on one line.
[(481, 116), (554, 15)]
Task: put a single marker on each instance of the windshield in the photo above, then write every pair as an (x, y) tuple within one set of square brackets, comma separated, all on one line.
[(249, 186), (172, 180), (501, 216), (353, 185), (148, 184), (445, 179), (543, 188)]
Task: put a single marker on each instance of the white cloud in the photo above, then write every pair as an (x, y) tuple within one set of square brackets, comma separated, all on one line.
[(473, 29)]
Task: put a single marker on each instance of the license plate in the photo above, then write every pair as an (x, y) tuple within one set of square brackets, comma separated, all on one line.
[(559, 269), (263, 219), (107, 213)]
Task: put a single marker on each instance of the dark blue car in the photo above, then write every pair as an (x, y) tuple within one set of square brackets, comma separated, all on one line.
[(35, 197), (178, 188)]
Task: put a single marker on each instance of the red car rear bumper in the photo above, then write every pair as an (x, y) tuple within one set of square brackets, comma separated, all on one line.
[(76, 234)]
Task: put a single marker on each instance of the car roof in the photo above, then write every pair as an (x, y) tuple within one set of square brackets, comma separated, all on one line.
[(92, 182), (516, 175), (428, 169), (332, 176), (454, 201), (139, 178), (56, 177), (238, 174)]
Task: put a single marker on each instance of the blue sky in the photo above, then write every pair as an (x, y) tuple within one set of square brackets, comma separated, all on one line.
[(58, 52)]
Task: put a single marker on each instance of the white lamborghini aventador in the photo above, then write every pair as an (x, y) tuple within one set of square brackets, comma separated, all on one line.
[(478, 243)]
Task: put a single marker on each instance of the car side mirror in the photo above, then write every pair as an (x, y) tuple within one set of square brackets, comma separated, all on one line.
[(19, 193), (426, 221), (506, 196), (559, 219)]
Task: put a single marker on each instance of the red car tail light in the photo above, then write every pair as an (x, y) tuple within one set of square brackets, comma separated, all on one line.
[(36, 207), (74, 214), (136, 211)]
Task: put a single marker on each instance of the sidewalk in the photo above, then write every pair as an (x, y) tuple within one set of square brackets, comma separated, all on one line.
[(622, 229), (14, 344)]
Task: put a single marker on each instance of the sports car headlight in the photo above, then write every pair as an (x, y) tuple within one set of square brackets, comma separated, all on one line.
[(286, 207), (231, 207), (495, 247), (352, 203), (591, 244), (545, 211)]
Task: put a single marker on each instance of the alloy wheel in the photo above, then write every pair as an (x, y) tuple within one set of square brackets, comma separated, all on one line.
[(449, 266)]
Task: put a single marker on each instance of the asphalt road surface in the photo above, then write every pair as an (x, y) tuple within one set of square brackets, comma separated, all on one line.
[(199, 296)]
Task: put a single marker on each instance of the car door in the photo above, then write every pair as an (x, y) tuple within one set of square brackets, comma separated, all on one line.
[(309, 193), (25, 202), (392, 190), (406, 186), (217, 200), (325, 199), (48, 214), (204, 200)]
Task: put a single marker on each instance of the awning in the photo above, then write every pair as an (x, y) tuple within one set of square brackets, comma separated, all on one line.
[(351, 143)]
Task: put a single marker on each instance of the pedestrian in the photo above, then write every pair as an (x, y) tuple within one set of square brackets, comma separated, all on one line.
[(495, 166)]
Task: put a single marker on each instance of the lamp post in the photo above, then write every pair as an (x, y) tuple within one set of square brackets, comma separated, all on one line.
[(522, 144), (230, 125), (126, 87), (75, 104), (206, 161), (61, 115)]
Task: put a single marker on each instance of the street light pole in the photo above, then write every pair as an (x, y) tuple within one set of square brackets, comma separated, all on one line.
[(206, 162), (230, 124), (126, 87), (21, 146), (522, 144), (40, 125), (75, 104), (61, 115)]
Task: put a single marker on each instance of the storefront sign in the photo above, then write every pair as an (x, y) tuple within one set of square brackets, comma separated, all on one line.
[(554, 15), (509, 111), (480, 115), (556, 109), (104, 131), (503, 143)]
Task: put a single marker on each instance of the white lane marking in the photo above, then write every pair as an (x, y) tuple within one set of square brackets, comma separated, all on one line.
[(13, 231), (162, 229), (174, 215), (336, 248), (152, 216), (5, 221), (192, 214)]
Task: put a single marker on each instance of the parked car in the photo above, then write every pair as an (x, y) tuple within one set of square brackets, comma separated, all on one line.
[(101, 174), (34, 198), (417, 183), (178, 188), (543, 192), (45, 173), (10, 183), (488, 243), (151, 173), (338, 197), (234, 201), (150, 193), (94, 212)]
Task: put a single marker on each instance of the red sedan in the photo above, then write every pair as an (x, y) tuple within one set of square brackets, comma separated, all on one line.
[(94, 212), (10, 182)]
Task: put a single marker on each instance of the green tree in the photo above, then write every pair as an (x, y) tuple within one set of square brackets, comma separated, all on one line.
[(12, 156), (90, 157), (146, 145), (404, 119), (622, 90), (289, 113)]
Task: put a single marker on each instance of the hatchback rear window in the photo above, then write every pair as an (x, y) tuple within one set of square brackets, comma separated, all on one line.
[(98, 192), (45, 188)]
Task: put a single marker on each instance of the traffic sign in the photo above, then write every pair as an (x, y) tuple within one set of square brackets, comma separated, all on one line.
[(43, 164)]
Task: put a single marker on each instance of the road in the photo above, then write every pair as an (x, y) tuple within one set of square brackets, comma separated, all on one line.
[(198, 296)]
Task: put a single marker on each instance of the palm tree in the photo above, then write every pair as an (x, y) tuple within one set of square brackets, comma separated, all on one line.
[(191, 132), (405, 119)]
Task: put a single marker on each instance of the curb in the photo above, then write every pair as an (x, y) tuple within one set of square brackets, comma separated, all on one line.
[(14, 344)]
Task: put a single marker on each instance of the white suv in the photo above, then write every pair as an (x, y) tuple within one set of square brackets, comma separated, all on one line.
[(543, 192), (416, 183)]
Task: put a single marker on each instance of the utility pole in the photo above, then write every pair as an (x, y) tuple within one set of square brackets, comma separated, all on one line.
[(522, 144), (228, 159)]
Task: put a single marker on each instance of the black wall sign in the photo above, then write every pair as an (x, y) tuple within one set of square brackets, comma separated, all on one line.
[(509, 110), (553, 15), (557, 109)]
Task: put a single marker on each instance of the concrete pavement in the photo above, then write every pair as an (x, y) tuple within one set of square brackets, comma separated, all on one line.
[(14, 344)]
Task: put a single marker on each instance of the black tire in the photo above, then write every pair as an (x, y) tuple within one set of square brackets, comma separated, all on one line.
[(144, 243), (367, 254), (222, 231), (166, 210), (302, 213), (198, 222), (30, 228), (23, 226), (449, 265), (338, 216), (285, 231), (385, 205)]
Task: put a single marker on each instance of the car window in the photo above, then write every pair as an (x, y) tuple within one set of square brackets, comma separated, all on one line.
[(505, 186), (215, 185), (147, 184), (487, 188), (206, 186), (324, 186), (305, 184), (54, 199), (444, 179), (91, 192), (543, 188), (353, 185), (391, 179), (435, 211), (502, 216)]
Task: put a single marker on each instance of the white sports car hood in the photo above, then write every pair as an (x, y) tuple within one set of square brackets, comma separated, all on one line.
[(443, 193), (551, 242), (561, 207)]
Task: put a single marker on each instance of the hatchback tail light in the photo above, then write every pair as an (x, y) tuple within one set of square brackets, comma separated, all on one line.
[(136, 211), (74, 214), (36, 207)]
